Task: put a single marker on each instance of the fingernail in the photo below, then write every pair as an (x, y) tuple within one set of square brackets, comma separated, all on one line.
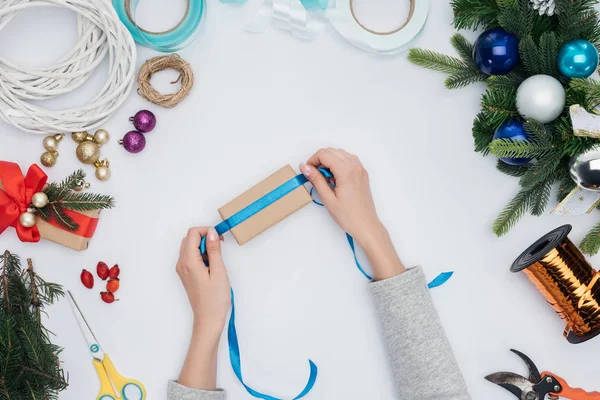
[(212, 234), (306, 170)]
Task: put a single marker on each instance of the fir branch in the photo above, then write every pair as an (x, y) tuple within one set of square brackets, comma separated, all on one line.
[(484, 127), (464, 48), (507, 83), (539, 197), (538, 132), (475, 14), (512, 212), (85, 201), (548, 53), (58, 214), (508, 148), (512, 170), (518, 18), (591, 242), (544, 167), (436, 61), (57, 191), (530, 55), (464, 78)]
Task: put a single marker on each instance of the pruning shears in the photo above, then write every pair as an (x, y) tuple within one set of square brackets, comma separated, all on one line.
[(538, 385)]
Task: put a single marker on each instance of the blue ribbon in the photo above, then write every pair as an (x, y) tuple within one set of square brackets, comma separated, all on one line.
[(248, 212), (169, 41)]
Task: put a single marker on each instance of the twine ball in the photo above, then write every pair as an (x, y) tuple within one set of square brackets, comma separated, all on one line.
[(160, 63)]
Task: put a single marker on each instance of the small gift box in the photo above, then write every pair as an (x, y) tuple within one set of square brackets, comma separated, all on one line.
[(50, 211), (272, 214)]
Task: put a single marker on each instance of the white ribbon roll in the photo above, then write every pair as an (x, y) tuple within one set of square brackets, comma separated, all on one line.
[(345, 22)]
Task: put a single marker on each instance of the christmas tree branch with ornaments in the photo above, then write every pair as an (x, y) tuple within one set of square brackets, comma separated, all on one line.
[(536, 57)]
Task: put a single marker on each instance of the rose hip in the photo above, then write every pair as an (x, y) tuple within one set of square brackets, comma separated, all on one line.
[(113, 285), (114, 272), (102, 270), (87, 279), (107, 297)]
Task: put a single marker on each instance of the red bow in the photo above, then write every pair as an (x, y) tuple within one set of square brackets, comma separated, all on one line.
[(16, 197)]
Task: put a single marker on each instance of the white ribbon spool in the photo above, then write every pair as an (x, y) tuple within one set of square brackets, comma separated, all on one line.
[(345, 22)]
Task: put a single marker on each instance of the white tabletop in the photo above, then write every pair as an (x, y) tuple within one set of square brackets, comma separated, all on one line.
[(259, 102)]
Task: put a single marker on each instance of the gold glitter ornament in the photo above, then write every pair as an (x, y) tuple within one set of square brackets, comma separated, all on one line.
[(88, 152), (79, 136), (48, 159), (102, 170)]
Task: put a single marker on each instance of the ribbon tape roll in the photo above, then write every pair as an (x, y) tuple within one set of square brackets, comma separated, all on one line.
[(169, 41), (241, 216), (345, 22)]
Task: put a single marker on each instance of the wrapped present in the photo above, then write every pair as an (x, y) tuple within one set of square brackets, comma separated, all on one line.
[(271, 215), (55, 211)]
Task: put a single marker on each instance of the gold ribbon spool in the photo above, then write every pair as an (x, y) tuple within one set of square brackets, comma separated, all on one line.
[(567, 281)]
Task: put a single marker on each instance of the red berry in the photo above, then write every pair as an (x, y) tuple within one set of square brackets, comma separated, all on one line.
[(114, 272), (107, 297), (102, 270), (87, 279), (113, 285)]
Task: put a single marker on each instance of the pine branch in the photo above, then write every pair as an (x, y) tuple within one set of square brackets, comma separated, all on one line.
[(85, 201), (464, 48), (548, 53), (484, 127), (512, 212), (540, 195), (436, 61), (517, 19), (465, 78), (508, 148), (58, 214), (544, 167), (590, 244), (500, 104), (475, 14), (506, 83), (513, 170), (538, 132), (530, 55)]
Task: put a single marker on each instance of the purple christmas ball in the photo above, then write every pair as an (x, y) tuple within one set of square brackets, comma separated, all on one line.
[(144, 121), (133, 141)]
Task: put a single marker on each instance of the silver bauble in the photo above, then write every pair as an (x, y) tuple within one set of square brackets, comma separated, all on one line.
[(585, 169), (541, 97), (27, 219), (39, 200)]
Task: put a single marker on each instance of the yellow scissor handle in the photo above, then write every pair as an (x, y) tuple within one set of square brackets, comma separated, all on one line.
[(107, 374)]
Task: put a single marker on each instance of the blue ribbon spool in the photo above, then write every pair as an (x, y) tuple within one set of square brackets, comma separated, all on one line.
[(241, 216), (169, 41)]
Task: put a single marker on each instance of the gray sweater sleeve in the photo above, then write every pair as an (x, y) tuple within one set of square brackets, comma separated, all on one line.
[(180, 392), (422, 361)]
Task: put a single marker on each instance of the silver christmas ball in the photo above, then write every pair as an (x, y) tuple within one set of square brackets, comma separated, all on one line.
[(101, 136), (585, 169), (541, 97), (27, 219), (103, 173), (39, 200)]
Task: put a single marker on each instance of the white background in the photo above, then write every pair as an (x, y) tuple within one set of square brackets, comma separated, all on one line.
[(259, 102)]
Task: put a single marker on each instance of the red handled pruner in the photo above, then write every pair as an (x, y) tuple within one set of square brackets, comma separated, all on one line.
[(538, 386)]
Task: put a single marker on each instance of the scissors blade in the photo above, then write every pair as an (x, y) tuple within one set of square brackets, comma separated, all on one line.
[(94, 346), (516, 384)]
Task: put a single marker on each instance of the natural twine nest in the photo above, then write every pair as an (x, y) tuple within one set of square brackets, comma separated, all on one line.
[(160, 63)]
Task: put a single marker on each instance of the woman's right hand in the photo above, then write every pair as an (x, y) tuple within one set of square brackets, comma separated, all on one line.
[(351, 205)]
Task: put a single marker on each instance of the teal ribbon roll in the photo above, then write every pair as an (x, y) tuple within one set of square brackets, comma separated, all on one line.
[(169, 41)]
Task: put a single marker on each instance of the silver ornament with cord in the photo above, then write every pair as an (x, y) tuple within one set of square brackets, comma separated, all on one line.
[(585, 169), (541, 97)]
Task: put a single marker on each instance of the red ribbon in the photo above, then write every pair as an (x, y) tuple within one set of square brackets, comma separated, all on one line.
[(16, 197)]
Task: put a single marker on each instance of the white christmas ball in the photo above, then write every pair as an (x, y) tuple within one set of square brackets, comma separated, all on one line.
[(540, 97), (27, 219), (39, 200)]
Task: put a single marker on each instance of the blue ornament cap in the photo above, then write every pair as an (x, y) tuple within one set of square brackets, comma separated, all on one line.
[(496, 52), (577, 59), (512, 129)]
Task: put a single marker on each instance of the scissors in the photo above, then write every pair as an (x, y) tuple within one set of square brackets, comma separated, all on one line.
[(110, 379), (538, 385)]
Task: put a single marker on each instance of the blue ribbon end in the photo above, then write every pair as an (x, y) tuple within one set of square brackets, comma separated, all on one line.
[(440, 279)]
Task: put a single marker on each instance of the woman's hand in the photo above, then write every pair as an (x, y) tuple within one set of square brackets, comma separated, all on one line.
[(209, 295), (351, 205)]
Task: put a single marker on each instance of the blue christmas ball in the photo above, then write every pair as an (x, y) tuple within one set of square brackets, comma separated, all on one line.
[(577, 59), (496, 52), (512, 129)]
